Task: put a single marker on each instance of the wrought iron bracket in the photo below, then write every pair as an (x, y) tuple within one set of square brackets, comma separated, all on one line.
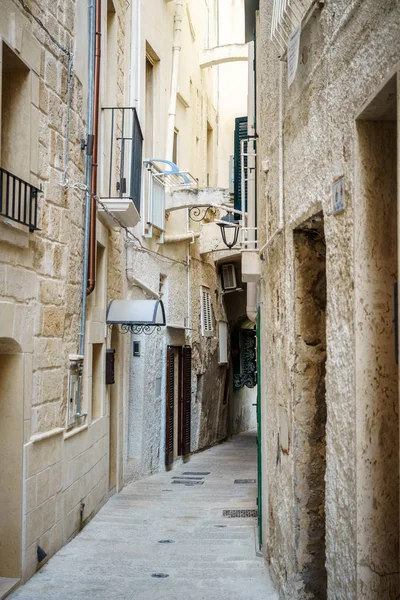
[(199, 213), (136, 329)]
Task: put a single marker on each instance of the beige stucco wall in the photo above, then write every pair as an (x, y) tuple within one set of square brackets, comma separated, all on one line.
[(347, 51), (181, 266)]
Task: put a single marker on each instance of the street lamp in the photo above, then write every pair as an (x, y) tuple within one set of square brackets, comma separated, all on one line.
[(225, 223)]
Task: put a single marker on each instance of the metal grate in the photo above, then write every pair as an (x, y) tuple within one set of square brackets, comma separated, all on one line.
[(189, 478), (186, 482), (18, 200), (244, 481), (196, 473), (240, 513)]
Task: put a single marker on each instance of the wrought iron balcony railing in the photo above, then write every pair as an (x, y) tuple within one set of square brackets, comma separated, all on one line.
[(158, 182), (122, 155), (18, 200)]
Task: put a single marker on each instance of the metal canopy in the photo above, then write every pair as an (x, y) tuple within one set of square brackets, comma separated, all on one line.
[(136, 316), (250, 8)]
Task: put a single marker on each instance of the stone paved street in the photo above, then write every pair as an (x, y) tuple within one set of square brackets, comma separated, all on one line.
[(205, 555)]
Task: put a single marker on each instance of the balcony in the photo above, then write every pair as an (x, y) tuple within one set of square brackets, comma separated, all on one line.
[(120, 190), (18, 200), (159, 184)]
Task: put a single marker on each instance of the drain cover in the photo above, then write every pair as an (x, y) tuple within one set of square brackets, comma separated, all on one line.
[(220, 526), (166, 541), (186, 482), (197, 473), (244, 481), (160, 575), (241, 514)]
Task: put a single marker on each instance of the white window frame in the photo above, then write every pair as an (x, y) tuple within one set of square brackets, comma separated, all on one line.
[(206, 312)]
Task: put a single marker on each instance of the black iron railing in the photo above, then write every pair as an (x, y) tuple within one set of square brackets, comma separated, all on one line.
[(18, 200), (123, 141)]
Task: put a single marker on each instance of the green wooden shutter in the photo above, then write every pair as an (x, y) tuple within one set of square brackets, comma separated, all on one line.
[(240, 134), (187, 398), (169, 430)]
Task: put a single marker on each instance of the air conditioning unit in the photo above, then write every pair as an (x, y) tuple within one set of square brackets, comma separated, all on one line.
[(228, 276)]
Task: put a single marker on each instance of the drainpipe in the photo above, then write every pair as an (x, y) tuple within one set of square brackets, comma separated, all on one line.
[(281, 73), (251, 290), (176, 50), (135, 45), (96, 114), (134, 281), (88, 176)]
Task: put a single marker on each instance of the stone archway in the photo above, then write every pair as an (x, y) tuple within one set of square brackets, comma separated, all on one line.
[(11, 458)]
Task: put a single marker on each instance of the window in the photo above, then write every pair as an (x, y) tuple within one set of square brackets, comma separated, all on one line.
[(206, 313), (18, 198), (15, 115), (149, 132), (223, 342), (210, 156), (98, 378), (175, 148)]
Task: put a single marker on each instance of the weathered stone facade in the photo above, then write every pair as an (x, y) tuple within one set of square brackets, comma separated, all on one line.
[(330, 496)]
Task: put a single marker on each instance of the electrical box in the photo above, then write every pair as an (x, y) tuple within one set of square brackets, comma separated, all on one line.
[(251, 270), (228, 275), (110, 366), (74, 387)]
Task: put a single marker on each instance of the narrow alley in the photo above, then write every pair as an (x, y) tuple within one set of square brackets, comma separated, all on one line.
[(166, 537)]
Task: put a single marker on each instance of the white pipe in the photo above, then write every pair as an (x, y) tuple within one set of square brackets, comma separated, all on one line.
[(138, 283), (181, 237), (176, 50), (251, 301), (281, 74), (269, 240), (251, 293), (134, 54)]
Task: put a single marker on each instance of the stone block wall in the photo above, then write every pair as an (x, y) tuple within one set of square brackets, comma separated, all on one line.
[(64, 472)]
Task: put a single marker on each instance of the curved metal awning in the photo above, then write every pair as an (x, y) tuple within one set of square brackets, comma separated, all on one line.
[(137, 316)]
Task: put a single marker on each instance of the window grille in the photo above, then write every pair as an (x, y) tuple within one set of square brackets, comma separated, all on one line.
[(206, 313), (18, 200), (286, 16)]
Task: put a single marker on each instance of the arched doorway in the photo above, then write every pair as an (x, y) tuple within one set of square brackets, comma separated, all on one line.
[(11, 446)]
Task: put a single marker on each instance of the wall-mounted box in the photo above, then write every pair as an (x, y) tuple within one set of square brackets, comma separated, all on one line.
[(251, 268)]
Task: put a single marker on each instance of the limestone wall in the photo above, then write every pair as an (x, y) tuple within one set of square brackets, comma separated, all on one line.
[(65, 471), (348, 50)]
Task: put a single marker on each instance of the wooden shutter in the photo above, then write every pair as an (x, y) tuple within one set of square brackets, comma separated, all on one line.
[(187, 397), (206, 312), (240, 134), (169, 430)]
